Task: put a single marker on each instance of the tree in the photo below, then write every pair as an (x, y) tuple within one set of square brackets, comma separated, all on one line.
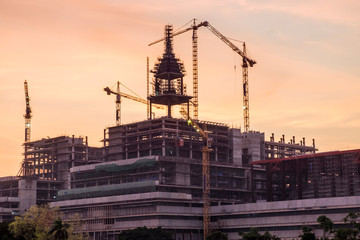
[(60, 230), (268, 236), (5, 233), (144, 233), (38, 221), (353, 219), (345, 234), (35, 223), (217, 235), (254, 234), (326, 224), (307, 234)]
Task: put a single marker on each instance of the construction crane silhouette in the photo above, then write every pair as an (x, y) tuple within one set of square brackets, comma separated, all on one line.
[(24, 165), (120, 94), (245, 63), (27, 114), (205, 169)]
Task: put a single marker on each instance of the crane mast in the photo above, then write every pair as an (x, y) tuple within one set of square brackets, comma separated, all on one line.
[(245, 93), (27, 114), (25, 168), (147, 88), (118, 105), (205, 170), (195, 71)]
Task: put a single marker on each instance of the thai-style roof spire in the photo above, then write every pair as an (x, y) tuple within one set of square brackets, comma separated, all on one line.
[(169, 67)]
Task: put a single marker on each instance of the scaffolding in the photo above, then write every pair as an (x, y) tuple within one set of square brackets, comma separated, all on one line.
[(281, 149)]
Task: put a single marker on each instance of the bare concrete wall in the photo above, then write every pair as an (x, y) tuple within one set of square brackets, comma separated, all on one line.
[(27, 194)]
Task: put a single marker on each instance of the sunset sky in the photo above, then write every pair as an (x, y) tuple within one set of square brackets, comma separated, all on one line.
[(306, 81)]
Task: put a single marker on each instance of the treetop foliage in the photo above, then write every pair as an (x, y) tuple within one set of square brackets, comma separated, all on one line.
[(37, 224)]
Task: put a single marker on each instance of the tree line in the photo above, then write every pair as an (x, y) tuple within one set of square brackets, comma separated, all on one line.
[(44, 223)]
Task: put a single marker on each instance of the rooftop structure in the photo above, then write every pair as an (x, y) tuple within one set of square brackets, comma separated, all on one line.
[(169, 73), (282, 149)]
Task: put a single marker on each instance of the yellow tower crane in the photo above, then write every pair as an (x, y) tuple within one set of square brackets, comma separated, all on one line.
[(205, 170), (120, 94), (246, 62)]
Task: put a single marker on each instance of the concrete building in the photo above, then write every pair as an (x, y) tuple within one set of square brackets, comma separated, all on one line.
[(285, 219), (47, 164), (114, 196), (152, 175), (320, 175)]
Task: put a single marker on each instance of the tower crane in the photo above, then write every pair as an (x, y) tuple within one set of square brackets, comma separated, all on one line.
[(27, 114), (25, 166), (246, 62), (120, 94), (205, 170)]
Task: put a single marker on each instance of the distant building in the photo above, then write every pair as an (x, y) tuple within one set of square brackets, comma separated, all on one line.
[(320, 175)]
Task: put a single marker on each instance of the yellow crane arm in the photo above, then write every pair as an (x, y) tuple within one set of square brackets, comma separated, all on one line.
[(229, 43), (128, 96), (179, 32), (194, 124), (218, 34)]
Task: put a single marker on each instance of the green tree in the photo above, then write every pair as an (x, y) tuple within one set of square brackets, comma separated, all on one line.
[(35, 223), (60, 230), (307, 234), (345, 234), (254, 234), (268, 236), (217, 235), (144, 233), (5, 233), (352, 219), (38, 221), (326, 224)]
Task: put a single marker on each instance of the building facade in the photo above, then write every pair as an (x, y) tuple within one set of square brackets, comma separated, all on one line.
[(45, 171)]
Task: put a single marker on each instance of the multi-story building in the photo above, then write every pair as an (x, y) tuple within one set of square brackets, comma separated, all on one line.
[(45, 172), (320, 175), (152, 175)]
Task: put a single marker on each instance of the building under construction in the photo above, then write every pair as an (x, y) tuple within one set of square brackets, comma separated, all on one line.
[(44, 172), (150, 173)]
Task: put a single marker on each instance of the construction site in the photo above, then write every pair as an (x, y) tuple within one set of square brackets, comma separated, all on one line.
[(186, 175)]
